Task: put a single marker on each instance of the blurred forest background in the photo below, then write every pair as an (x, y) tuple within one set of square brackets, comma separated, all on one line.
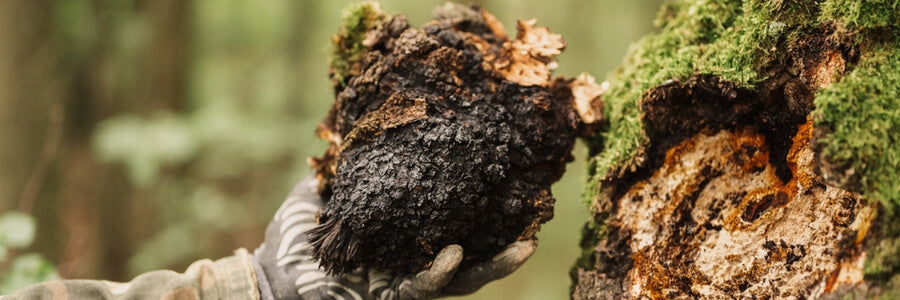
[(145, 134)]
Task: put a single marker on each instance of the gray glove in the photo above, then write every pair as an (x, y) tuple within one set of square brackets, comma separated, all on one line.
[(439, 280), (285, 268)]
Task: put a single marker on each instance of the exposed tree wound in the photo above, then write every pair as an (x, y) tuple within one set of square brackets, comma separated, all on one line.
[(448, 134), (726, 202)]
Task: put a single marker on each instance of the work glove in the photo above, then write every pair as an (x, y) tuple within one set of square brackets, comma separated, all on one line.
[(285, 268)]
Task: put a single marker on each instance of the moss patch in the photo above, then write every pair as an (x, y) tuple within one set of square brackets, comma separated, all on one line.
[(694, 37), (861, 112), (866, 14), (739, 41), (347, 46)]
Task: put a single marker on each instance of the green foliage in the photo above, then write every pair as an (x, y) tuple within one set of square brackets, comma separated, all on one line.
[(163, 248), (145, 145), (861, 113), (221, 140), (17, 231), (255, 88), (190, 218), (347, 46), (26, 270)]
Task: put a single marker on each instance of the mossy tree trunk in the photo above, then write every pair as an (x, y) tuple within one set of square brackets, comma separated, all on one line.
[(750, 150)]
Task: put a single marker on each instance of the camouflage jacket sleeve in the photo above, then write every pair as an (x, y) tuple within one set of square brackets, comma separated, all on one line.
[(232, 277)]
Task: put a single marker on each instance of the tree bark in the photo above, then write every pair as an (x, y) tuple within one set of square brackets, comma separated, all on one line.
[(716, 175)]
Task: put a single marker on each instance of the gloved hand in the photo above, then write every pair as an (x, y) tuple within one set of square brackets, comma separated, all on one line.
[(285, 268)]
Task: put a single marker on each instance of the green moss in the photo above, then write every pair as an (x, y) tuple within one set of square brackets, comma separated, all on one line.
[(731, 39), (737, 41), (862, 14), (861, 112), (347, 45)]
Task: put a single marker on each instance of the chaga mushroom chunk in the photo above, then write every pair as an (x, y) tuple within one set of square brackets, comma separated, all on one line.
[(433, 144)]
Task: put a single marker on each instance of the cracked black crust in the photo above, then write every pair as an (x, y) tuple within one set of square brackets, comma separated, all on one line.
[(468, 171)]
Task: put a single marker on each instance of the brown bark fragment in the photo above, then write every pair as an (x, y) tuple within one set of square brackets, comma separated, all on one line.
[(529, 59), (586, 97)]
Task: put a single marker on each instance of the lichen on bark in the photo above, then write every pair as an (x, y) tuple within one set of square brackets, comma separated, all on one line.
[(788, 110)]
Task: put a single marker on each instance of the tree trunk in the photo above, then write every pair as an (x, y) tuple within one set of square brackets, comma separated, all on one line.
[(61, 73), (749, 151)]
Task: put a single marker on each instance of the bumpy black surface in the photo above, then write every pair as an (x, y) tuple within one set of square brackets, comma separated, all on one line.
[(469, 173)]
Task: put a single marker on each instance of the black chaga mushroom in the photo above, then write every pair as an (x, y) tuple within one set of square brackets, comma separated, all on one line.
[(449, 134)]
